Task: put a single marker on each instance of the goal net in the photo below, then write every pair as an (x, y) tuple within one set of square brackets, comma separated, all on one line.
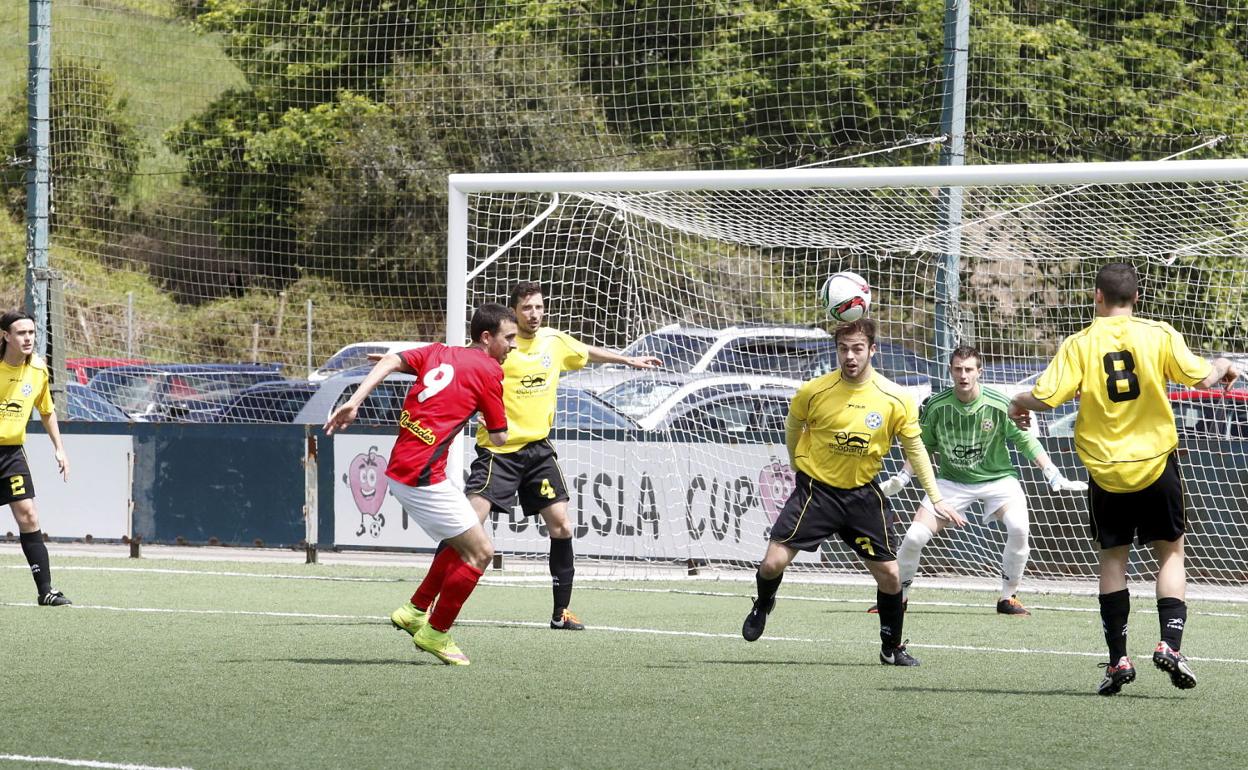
[(677, 264)]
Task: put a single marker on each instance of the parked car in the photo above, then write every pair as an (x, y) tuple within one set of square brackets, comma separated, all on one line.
[(269, 402), (173, 392), (576, 408), (1215, 413), (732, 414), (81, 370), (356, 354), (649, 400)]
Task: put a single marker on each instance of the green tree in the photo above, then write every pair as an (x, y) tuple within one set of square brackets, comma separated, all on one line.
[(94, 146)]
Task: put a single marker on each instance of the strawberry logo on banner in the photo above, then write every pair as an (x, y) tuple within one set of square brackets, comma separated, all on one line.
[(362, 476)]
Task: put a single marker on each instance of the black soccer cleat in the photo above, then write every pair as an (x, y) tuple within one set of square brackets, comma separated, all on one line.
[(1116, 675), (53, 598), (756, 621), (1174, 664), (897, 656), (1012, 606), (567, 622)]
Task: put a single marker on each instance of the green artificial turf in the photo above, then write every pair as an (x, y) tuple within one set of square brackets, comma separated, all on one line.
[(257, 670)]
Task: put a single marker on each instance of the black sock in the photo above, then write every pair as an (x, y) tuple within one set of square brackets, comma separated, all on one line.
[(562, 571), (37, 555), (767, 588), (1115, 609), (892, 615), (1173, 616)]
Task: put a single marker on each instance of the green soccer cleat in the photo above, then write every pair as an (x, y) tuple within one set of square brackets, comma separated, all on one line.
[(408, 618), (440, 645)]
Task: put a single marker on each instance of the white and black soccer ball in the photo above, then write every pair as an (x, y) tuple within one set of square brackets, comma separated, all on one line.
[(846, 296)]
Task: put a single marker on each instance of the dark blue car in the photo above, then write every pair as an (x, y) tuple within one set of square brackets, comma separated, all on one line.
[(179, 392)]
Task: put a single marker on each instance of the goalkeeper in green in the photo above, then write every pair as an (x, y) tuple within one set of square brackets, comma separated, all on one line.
[(968, 426)]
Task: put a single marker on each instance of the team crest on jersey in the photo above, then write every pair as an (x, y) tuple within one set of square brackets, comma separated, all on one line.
[(547, 362), (27, 389), (874, 420), (987, 425)]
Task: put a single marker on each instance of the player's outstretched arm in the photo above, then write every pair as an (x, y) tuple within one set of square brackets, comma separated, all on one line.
[(604, 356), (917, 458), (1021, 407), (344, 415), (1223, 372)]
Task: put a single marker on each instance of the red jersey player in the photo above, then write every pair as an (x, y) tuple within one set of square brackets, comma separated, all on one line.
[(451, 384)]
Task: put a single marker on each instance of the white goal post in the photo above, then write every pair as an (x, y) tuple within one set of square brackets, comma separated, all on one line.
[(622, 255)]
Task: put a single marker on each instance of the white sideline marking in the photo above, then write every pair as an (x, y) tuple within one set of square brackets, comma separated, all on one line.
[(614, 629), (83, 763), (498, 581)]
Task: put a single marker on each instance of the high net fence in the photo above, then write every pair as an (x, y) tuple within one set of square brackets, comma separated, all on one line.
[(265, 180), (622, 259)]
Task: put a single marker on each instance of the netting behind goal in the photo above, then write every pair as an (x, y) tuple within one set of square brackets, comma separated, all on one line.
[(618, 265)]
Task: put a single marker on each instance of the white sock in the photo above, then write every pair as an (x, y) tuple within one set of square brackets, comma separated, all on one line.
[(908, 554), (1014, 557)]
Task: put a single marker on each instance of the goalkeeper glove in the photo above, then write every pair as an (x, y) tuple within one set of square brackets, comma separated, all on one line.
[(1059, 483), (895, 484)]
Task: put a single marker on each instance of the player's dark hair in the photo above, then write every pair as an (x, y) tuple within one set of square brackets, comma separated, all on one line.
[(967, 351), (861, 326), (7, 320), (523, 291), (488, 318), (1118, 283)]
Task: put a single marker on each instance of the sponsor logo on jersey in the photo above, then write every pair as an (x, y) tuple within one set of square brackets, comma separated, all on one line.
[(12, 406), (874, 420), (532, 381), (850, 442), (416, 429), (968, 455)]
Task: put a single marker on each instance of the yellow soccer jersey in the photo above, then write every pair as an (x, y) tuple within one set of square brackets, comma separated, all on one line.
[(1119, 367), (850, 427), (22, 387), (530, 382)]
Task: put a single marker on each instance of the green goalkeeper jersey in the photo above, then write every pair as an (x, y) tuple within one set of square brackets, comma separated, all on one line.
[(970, 438)]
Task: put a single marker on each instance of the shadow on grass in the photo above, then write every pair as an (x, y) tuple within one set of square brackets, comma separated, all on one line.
[(1008, 691), (820, 663), (343, 661)]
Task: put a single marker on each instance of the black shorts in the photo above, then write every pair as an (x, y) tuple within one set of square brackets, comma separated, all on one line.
[(15, 480), (816, 511), (1155, 512), (532, 473)]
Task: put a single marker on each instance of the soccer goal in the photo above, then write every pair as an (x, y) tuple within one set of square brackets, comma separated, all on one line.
[(1000, 257)]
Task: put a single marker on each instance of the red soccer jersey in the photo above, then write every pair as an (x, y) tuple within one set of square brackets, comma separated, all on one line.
[(451, 384)]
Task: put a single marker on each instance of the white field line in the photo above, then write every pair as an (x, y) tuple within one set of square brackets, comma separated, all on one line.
[(83, 763), (611, 584), (601, 629)]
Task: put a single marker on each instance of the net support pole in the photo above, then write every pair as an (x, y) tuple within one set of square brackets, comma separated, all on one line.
[(456, 298), (39, 170), (953, 124)]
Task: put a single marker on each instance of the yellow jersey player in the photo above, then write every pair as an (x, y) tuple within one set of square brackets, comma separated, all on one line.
[(840, 427), (527, 465), (1125, 437), (23, 386)]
